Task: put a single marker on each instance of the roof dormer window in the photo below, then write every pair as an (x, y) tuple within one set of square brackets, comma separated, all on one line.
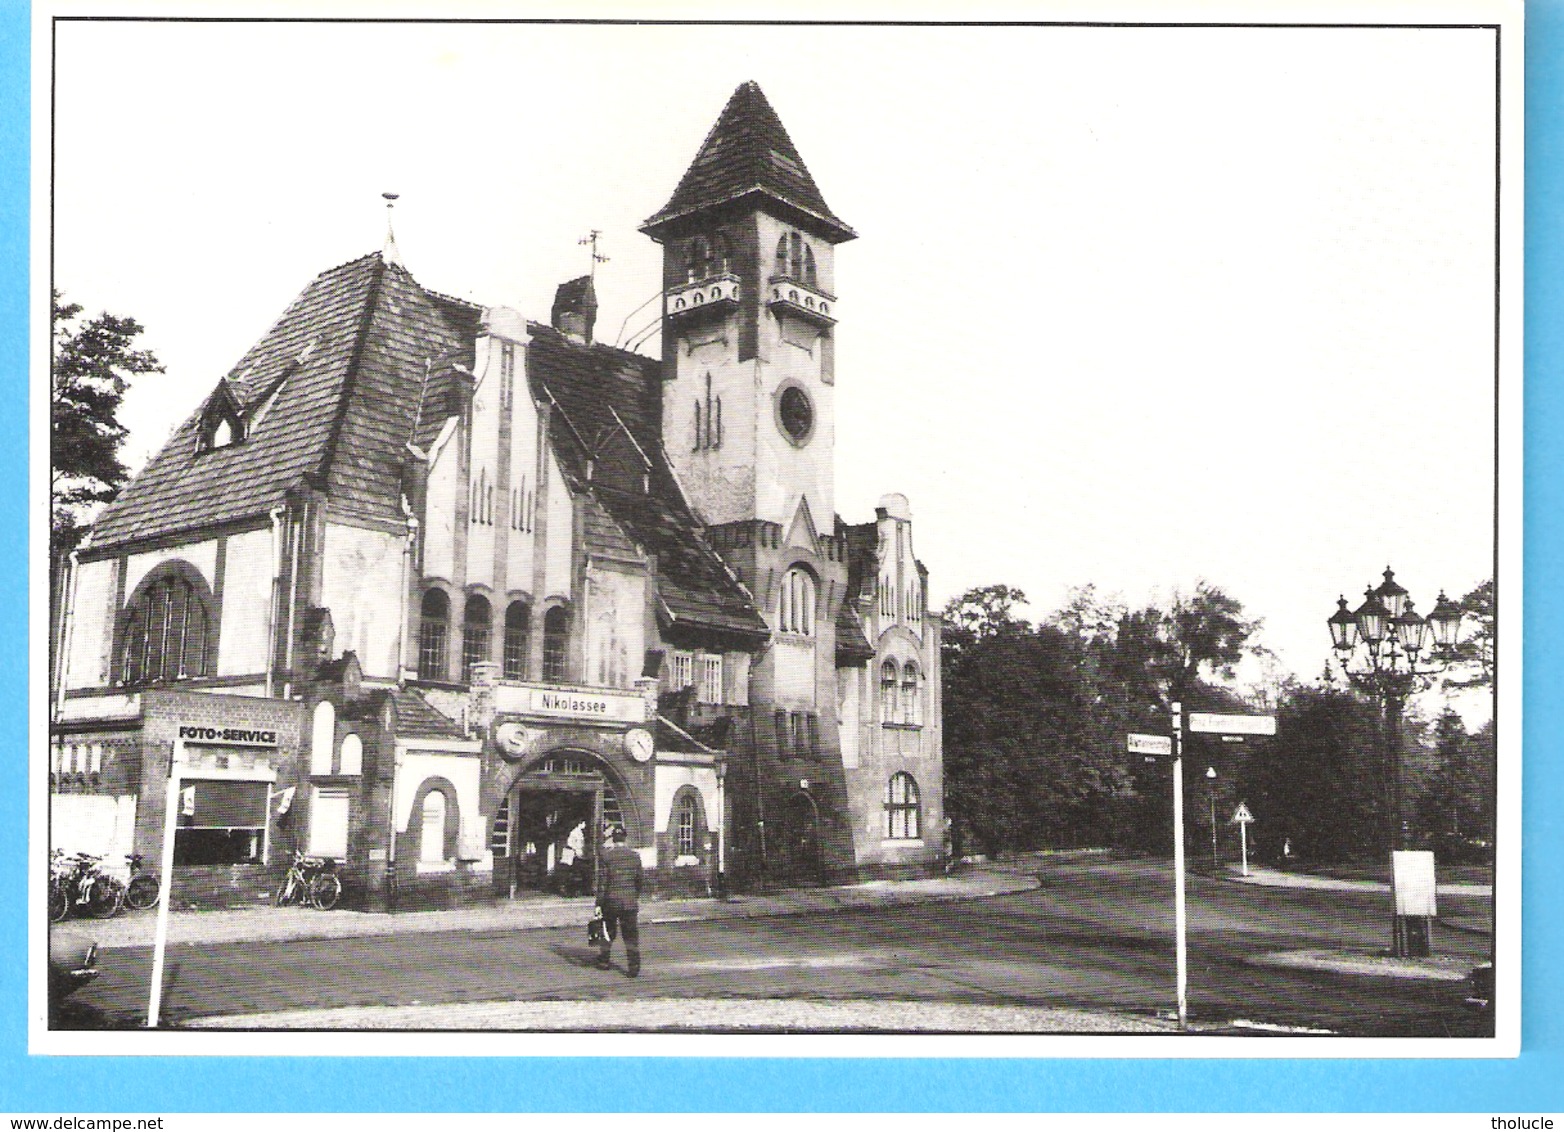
[(222, 430)]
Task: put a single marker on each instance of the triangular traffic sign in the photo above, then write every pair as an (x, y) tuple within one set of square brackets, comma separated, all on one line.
[(1241, 816)]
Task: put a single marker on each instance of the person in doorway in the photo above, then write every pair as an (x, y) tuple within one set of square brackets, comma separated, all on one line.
[(619, 895)]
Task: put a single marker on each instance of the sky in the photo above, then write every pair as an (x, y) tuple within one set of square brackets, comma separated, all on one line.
[(1130, 306)]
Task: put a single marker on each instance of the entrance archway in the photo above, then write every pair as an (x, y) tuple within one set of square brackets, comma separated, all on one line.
[(802, 829), (549, 827)]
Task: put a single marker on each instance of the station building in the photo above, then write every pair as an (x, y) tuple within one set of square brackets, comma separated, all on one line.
[(443, 592)]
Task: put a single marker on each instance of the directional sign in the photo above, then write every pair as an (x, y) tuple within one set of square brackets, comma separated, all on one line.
[(1241, 816), (1213, 724), (1151, 744)]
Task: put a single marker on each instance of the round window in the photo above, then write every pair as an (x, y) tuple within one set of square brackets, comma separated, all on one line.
[(796, 413)]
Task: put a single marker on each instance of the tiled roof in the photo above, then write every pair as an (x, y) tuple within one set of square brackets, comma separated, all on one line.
[(606, 404), (415, 719), (852, 637), (748, 151), (330, 393)]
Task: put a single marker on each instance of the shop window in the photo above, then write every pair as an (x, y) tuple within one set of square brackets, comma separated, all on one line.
[(901, 808), (711, 680), (329, 823), (556, 632), (475, 634), (431, 832), (518, 640), (166, 627), (888, 683), (909, 694), (221, 822), (433, 631), (797, 612)]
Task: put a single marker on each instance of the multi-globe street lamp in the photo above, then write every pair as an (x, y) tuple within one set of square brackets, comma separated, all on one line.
[(1389, 651)]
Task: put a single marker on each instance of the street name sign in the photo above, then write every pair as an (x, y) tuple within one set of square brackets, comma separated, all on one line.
[(1241, 816), (1151, 744), (1209, 723)]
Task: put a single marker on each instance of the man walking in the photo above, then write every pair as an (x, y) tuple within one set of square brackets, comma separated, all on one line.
[(619, 895)]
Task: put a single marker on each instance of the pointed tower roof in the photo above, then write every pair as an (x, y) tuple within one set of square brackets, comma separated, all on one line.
[(748, 153)]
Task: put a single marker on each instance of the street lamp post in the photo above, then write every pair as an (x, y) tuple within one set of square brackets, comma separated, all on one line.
[(1380, 647), (1211, 794)]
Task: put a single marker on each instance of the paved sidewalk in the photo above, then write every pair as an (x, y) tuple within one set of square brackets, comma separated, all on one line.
[(267, 923), (1277, 878)]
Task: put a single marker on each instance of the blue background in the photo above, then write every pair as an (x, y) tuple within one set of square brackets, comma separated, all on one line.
[(1533, 1082)]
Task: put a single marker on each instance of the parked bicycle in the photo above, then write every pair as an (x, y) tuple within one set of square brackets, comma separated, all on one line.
[(145, 888), (310, 880), (79, 884)]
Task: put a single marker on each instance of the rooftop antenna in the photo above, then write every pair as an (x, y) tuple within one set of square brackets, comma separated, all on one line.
[(596, 258), (389, 253)]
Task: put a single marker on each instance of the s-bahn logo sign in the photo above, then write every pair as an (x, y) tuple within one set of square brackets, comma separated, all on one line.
[(228, 736)]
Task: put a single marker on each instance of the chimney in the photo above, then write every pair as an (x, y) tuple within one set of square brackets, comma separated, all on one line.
[(575, 309)]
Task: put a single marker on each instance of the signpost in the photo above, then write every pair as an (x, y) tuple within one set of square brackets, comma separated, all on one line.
[(160, 933), (1211, 724), (1241, 818)]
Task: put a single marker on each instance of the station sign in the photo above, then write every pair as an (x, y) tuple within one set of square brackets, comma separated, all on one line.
[(1150, 744), (1210, 723), (582, 705)]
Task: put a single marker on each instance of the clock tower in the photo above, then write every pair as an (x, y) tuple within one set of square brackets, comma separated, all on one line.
[(749, 320)]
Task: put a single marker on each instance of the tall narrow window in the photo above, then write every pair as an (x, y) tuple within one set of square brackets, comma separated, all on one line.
[(476, 634), (722, 254), (711, 679), (431, 834), (809, 266), (797, 610), (700, 441), (556, 631), (795, 255), (888, 684), (433, 631), (687, 843), (781, 263), (507, 374), (909, 694), (902, 808), (518, 637)]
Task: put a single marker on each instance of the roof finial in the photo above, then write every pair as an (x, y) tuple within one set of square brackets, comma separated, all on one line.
[(596, 258), (389, 253)]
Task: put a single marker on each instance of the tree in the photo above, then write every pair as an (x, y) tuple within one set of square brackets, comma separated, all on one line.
[(1474, 652), (93, 364), (981, 612), (1456, 810)]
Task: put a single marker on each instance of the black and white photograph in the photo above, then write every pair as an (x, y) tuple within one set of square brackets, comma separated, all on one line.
[(653, 536)]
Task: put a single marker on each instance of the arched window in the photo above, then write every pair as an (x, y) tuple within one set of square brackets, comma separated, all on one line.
[(901, 808), (166, 628), (781, 264), (909, 694), (888, 692), (795, 255), (722, 255), (556, 630), (687, 823), (809, 266), (433, 631), (797, 611), (476, 634), (431, 834), (518, 640)]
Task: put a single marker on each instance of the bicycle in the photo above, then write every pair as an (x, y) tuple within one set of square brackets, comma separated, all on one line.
[(311, 881), (85, 887), (145, 889)]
